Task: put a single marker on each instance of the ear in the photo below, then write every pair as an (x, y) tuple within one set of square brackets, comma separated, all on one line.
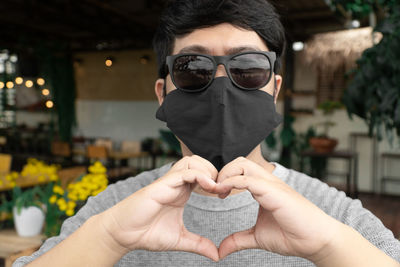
[(278, 84), (159, 89)]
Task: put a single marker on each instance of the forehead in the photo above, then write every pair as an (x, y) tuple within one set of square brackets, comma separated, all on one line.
[(219, 40)]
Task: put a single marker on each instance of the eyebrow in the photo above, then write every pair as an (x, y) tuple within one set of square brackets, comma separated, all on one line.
[(204, 50)]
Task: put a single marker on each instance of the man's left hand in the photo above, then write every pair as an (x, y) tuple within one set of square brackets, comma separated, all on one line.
[(287, 223)]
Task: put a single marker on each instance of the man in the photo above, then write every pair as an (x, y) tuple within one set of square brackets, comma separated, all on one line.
[(226, 205)]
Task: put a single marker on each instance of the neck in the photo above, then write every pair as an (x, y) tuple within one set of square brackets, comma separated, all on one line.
[(254, 156)]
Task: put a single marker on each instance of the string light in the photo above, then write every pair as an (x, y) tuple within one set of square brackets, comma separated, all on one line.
[(108, 62), (9, 85), (45, 92), (29, 83), (298, 46), (1, 85), (49, 104), (144, 59), (19, 80), (40, 81)]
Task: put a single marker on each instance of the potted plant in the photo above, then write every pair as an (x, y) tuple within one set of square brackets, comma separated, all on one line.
[(48, 204), (27, 207), (28, 211), (323, 143)]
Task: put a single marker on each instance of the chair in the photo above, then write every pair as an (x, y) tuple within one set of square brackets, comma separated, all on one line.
[(107, 143), (61, 153), (69, 175), (97, 152), (5, 163), (131, 146), (386, 177), (3, 143), (62, 149)]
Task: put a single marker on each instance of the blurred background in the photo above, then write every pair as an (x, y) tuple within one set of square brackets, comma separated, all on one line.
[(77, 86)]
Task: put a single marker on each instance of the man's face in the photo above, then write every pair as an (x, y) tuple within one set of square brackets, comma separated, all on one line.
[(219, 40)]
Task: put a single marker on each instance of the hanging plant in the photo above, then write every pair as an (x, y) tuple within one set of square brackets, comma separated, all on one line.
[(374, 90)]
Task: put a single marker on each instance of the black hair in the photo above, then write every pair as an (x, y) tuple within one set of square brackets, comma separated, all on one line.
[(182, 17)]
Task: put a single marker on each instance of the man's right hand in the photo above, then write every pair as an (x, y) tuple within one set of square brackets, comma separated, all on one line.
[(151, 218)]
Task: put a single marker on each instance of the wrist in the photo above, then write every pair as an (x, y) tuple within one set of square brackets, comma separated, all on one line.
[(350, 248), (333, 244), (107, 235)]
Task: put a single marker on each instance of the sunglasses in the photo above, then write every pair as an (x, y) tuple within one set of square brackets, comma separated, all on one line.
[(195, 72)]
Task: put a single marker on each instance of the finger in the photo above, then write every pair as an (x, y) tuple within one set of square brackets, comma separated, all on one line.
[(205, 181), (190, 176), (243, 166), (253, 184), (240, 166), (236, 242), (211, 168), (231, 169), (196, 162), (191, 242), (269, 194)]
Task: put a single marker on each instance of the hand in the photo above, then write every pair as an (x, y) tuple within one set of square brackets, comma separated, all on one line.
[(151, 218), (287, 223)]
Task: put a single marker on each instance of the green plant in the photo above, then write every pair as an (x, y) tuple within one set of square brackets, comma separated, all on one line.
[(57, 202), (328, 108), (374, 90), (171, 141), (31, 197), (271, 141)]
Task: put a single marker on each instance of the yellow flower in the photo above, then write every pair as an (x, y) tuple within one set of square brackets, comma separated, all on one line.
[(58, 190), (97, 167), (61, 201), (69, 212), (53, 199), (62, 204), (62, 207), (95, 193), (41, 178), (71, 205), (72, 196), (53, 177), (12, 176), (13, 184)]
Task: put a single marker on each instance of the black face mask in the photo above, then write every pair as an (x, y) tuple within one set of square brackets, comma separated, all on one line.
[(222, 122)]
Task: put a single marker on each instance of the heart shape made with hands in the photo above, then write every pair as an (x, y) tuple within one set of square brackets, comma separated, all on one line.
[(237, 175), (287, 223)]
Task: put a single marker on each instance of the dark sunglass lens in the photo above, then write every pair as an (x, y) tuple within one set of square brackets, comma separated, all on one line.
[(192, 72), (250, 71)]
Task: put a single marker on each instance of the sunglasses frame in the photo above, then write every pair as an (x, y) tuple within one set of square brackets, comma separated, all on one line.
[(218, 60)]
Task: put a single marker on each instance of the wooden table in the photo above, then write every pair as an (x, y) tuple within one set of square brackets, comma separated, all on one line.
[(352, 166), (385, 177), (22, 181), (115, 155), (13, 246)]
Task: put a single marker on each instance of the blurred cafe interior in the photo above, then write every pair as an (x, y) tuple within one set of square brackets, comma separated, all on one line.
[(77, 91)]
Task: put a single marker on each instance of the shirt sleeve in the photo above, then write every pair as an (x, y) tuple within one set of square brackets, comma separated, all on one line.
[(95, 205), (347, 210)]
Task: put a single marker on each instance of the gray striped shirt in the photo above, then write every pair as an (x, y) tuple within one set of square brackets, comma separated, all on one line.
[(216, 218)]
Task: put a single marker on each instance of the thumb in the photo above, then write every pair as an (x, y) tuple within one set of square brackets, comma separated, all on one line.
[(194, 243), (237, 241)]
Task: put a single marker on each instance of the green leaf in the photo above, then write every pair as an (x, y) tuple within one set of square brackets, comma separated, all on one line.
[(271, 141)]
